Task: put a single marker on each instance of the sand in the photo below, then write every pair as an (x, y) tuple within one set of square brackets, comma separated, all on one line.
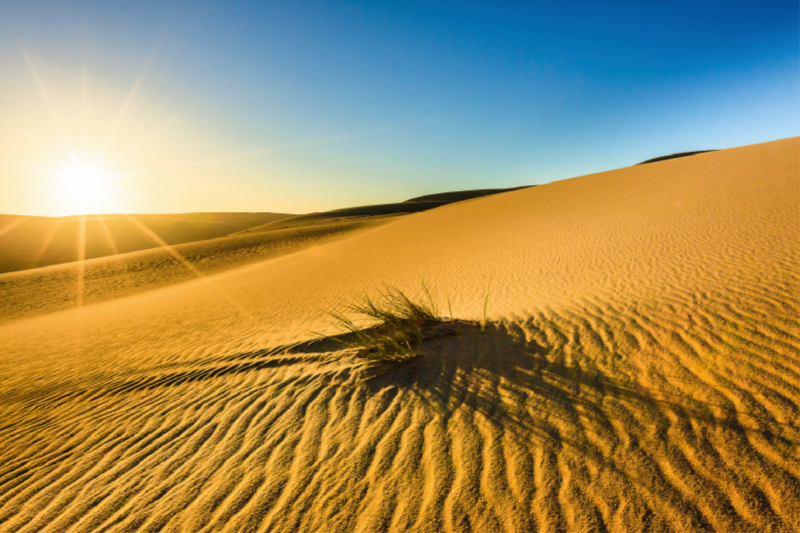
[(45, 290), (28, 242), (638, 372)]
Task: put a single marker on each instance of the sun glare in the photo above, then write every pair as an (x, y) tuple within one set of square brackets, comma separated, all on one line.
[(81, 181), (84, 183)]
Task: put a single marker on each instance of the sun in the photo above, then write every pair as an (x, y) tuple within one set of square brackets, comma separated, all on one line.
[(83, 186), (83, 182)]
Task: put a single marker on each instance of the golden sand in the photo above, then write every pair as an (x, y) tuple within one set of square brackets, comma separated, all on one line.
[(31, 242), (639, 372)]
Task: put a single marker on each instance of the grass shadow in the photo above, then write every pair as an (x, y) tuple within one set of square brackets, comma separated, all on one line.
[(531, 391)]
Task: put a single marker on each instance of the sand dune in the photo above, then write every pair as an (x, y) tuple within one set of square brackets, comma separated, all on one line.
[(47, 290), (29, 242), (638, 372), (349, 214), (674, 156)]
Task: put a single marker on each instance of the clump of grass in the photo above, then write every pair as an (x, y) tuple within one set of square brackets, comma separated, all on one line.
[(401, 325)]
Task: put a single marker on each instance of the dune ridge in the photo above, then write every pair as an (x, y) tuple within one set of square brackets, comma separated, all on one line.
[(639, 372)]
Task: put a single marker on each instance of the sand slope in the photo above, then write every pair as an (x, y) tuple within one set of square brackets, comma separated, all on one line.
[(46, 290), (639, 372), (29, 242)]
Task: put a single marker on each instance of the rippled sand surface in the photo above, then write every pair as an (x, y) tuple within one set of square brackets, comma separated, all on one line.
[(639, 372)]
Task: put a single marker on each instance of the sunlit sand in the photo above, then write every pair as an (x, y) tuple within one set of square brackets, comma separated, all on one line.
[(636, 369)]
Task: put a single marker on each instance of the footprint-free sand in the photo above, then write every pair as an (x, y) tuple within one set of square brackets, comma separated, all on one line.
[(638, 371)]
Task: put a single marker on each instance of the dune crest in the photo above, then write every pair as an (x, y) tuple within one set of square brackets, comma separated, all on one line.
[(638, 372)]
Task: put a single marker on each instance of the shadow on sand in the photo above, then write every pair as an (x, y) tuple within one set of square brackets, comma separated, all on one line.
[(532, 391), (515, 384)]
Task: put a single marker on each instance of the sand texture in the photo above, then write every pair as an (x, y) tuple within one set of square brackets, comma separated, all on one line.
[(639, 371)]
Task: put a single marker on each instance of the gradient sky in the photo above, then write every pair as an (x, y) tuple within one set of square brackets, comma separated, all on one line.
[(307, 106)]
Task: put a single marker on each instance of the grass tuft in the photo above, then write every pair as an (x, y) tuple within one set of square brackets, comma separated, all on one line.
[(401, 325)]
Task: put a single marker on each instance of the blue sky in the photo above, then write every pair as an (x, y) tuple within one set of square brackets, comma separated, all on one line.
[(305, 106)]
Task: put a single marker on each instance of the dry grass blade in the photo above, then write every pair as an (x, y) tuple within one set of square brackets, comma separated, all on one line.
[(486, 304), (400, 326)]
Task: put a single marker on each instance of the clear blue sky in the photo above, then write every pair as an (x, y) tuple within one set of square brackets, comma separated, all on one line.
[(303, 106)]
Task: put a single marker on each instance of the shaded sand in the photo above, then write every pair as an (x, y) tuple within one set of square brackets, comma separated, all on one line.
[(639, 372), (30, 242)]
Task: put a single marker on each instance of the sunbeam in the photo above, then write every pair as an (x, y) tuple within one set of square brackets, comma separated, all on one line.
[(16, 223), (46, 243), (81, 258), (12, 225), (177, 255), (108, 236), (123, 110), (44, 94)]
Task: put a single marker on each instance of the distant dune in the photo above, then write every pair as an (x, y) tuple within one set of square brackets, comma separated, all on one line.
[(414, 205), (458, 196), (637, 371), (46, 290), (674, 156), (30, 242)]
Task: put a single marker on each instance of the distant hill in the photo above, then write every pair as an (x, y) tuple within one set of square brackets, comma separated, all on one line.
[(457, 196), (414, 205), (30, 242), (349, 213), (673, 156), (44, 290)]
